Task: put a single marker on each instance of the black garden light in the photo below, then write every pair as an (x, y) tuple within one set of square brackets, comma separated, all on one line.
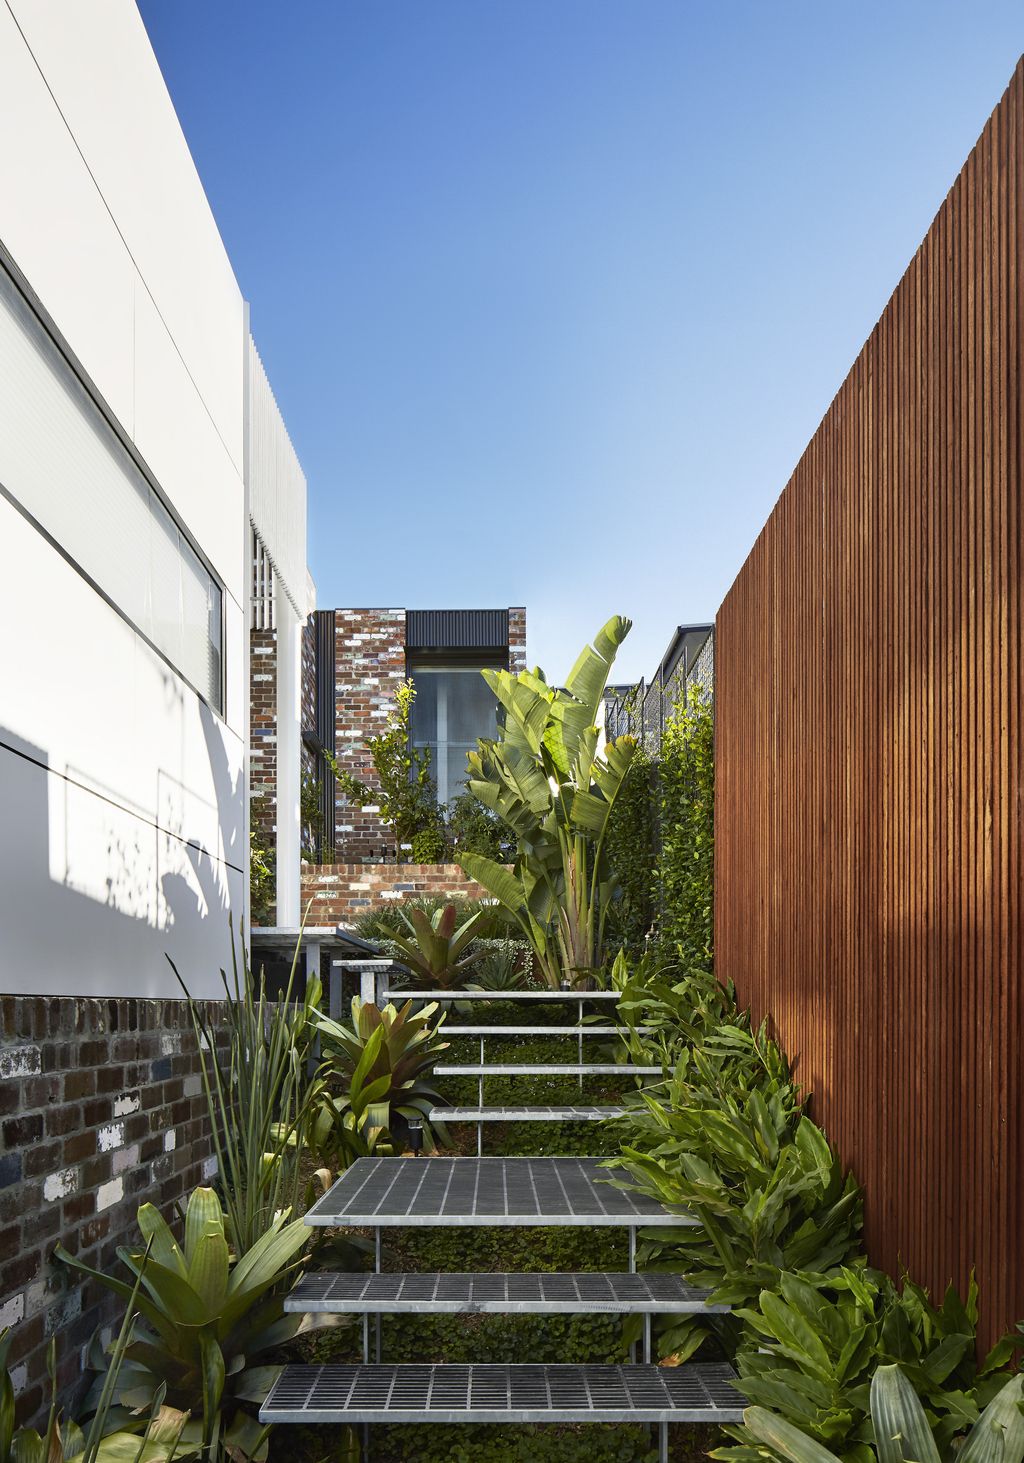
[(415, 1137)]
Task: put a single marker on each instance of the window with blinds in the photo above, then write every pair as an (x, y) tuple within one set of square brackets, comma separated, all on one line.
[(63, 464), (452, 708)]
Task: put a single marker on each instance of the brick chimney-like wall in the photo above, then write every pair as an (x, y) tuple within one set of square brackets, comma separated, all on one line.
[(369, 663)]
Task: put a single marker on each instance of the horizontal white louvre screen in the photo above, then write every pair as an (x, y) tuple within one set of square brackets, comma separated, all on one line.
[(62, 462)]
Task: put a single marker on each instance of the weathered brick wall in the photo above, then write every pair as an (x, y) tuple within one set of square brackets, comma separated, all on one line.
[(517, 639), (101, 1109), (342, 892), (263, 729), (369, 661)]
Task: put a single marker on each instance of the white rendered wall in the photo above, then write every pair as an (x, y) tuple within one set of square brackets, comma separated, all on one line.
[(123, 833)]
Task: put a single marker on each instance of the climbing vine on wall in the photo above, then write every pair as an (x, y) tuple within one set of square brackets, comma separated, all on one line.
[(631, 854), (687, 825)]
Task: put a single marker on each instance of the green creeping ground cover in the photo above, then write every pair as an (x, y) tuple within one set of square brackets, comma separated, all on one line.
[(686, 821)]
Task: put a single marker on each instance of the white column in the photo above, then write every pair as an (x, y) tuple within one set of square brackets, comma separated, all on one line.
[(289, 758)]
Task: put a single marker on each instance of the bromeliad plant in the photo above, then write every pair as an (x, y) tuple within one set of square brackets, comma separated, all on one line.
[(899, 1429), (547, 780), (206, 1316), (375, 1071), (437, 952)]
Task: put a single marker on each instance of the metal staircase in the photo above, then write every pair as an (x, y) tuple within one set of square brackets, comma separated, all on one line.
[(383, 1193)]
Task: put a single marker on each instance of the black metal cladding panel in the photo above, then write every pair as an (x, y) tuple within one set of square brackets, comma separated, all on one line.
[(493, 1393), (485, 1191), (456, 630)]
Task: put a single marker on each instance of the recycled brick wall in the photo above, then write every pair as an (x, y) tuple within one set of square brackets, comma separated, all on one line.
[(263, 729), (869, 706), (517, 639), (101, 1109), (369, 662), (342, 892)]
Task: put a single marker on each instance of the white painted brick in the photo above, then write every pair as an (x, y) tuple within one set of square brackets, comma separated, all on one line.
[(128, 1102), (170, 1141), (193, 1085), (110, 1137), (12, 1311), (19, 1378), (109, 1193), (210, 1167), (170, 1043), (20, 1061), (60, 1185), (125, 1158)]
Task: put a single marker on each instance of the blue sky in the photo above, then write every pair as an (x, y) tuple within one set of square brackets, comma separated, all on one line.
[(553, 293)]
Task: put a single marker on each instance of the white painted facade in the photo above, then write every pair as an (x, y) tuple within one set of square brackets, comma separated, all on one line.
[(123, 829)]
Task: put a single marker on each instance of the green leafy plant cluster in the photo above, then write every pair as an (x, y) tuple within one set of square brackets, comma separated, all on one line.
[(437, 950), (725, 1137), (900, 1429), (262, 871), (379, 1066), (631, 855), (207, 1314), (404, 789), (686, 819), (546, 779), (811, 1350), (389, 917)]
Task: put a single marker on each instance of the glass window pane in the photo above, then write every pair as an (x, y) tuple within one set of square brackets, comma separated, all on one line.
[(423, 716), (472, 707)]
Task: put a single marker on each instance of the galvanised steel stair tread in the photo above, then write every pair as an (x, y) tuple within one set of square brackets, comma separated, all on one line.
[(447, 1392), (501, 1293), (585, 1030), (584, 1113), (439, 1191), (573, 997), (541, 1069)]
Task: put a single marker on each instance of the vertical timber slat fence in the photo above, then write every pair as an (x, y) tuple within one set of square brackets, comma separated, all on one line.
[(869, 753)]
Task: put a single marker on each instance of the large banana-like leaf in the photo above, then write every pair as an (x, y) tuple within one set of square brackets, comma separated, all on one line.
[(902, 1433), (495, 878), (589, 676)]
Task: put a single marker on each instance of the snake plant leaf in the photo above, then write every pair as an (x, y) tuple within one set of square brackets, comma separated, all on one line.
[(784, 1438), (902, 1433)]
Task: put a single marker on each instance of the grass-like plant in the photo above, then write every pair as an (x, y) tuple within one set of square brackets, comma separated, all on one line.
[(258, 1091)]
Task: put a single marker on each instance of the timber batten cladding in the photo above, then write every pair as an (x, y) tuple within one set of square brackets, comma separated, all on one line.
[(869, 756)]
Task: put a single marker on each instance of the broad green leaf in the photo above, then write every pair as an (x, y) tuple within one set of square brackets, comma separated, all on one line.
[(902, 1434), (785, 1439)]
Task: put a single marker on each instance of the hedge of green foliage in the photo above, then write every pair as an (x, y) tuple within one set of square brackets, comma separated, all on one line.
[(631, 855), (686, 861)]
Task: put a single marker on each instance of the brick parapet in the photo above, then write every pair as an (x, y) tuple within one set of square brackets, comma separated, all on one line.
[(342, 892)]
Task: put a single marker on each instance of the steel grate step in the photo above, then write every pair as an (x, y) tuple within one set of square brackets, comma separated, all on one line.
[(505, 1294), (575, 1114), (491, 1393), (584, 1030), (566, 997), (486, 1191), (551, 1069)]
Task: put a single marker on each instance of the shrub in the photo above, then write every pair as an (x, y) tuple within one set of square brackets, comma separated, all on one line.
[(687, 829), (631, 857)]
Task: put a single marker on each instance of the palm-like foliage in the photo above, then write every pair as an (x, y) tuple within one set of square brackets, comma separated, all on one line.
[(435, 951), (205, 1316), (547, 780), (382, 1061)]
